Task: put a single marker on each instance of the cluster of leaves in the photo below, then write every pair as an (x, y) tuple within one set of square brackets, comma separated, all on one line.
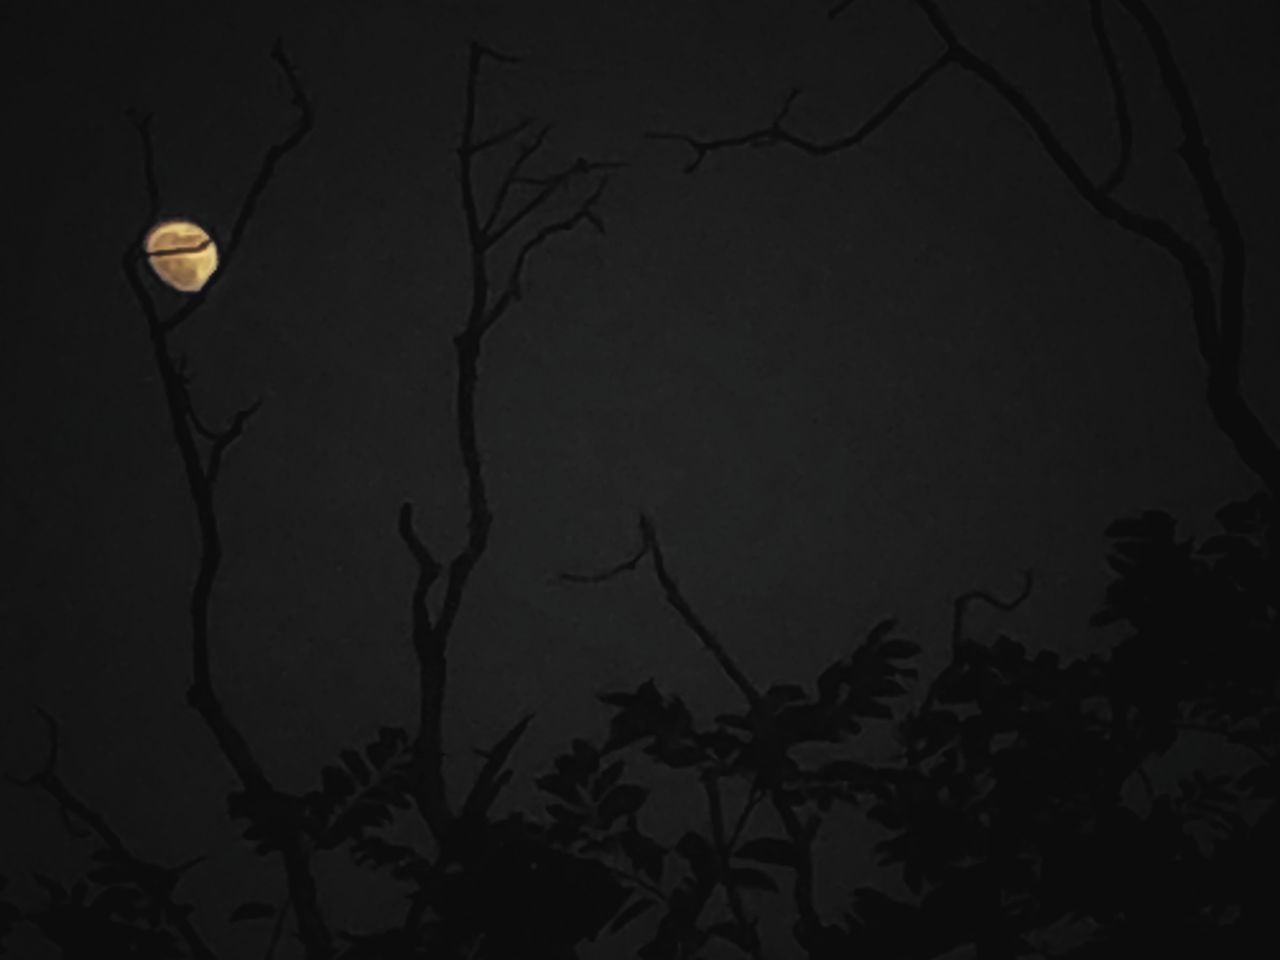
[(595, 811), (120, 908), (1021, 803), (1013, 811), (360, 792)]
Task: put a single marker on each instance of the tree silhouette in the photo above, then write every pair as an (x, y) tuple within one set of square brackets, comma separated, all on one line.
[(1021, 811)]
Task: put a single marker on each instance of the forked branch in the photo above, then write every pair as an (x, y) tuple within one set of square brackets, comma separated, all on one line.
[(650, 547)]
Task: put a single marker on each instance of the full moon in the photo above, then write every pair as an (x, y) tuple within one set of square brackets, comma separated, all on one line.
[(182, 254)]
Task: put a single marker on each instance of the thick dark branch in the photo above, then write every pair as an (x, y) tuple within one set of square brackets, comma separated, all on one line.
[(409, 534), (266, 171), (1159, 232), (431, 637), (154, 881), (428, 571), (777, 133), (960, 606), (840, 8), (1119, 98), (202, 695), (1253, 442)]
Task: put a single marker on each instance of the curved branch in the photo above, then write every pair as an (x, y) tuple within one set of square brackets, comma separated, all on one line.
[(1119, 98), (961, 604)]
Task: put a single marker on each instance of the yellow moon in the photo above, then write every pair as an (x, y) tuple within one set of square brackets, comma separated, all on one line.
[(182, 254)]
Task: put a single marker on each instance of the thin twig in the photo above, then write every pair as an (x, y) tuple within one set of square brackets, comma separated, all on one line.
[(266, 172)]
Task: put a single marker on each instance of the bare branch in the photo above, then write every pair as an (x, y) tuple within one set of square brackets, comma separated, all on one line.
[(411, 539), (1119, 98), (431, 635), (677, 601), (960, 606), (626, 566), (428, 571), (200, 478), (266, 171), (840, 8), (548, 188), (514, 288), (512, 176), (142, 123), (777, 133), (502, 136), (1218, 318), (1152, 229), (483, 50), (1255, 445)]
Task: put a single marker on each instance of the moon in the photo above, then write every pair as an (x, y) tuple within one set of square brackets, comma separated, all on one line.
[(182, 254)]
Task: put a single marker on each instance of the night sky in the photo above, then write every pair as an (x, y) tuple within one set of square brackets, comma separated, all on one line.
[(844, 388)]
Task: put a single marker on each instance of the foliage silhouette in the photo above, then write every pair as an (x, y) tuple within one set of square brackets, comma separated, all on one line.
[(1021, 811)]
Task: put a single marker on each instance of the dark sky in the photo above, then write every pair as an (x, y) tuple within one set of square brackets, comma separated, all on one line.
[(845, 389)]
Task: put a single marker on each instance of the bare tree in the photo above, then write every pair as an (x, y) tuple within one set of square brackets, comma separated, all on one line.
[(503, 232), (202, 468)]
